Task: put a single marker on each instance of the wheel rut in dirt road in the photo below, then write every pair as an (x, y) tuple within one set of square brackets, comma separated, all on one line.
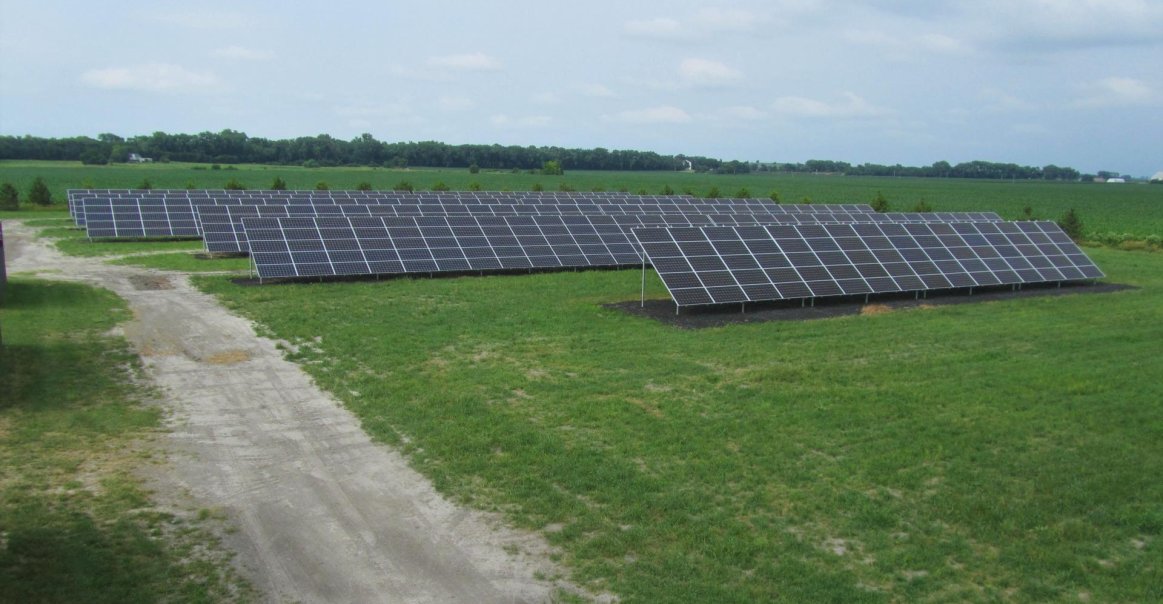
[(322, 513)]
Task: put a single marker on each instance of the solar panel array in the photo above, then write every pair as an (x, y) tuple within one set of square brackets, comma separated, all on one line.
[(718, 265), (705, 251)]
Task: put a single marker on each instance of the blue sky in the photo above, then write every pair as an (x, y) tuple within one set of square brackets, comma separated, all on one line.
[(1069, 82)]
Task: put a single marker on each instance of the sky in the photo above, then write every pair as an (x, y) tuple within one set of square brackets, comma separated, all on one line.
[(1075, 83)]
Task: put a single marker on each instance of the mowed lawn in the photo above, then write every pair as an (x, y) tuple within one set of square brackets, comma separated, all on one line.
[(997, 451)]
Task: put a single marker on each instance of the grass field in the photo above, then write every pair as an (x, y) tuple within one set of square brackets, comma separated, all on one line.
[(1000, 451), (76, 524), (1136, 210)]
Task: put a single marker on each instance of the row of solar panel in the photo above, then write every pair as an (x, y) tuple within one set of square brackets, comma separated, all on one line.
[(224, 229), (717, 265), (172, 206)]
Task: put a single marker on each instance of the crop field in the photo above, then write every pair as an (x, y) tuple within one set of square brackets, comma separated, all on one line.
[(992, 451)]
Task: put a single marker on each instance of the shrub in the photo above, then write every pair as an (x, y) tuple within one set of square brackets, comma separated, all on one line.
[(774, 196), (714, 193), (279, 184), (474, 186), (145, 185), (922, 206), (1071, 224), (806, 200), (311, 163), (552, 168), (234, 185), (643, 191), (563, 186), (666, 190), (87, 184), (879, 203), (322, 186), (363, 185), (623, 189), (9, 197), (537, 188), (403, 185), (440, 186), (215, 166), (1027, 214), (39, 193), (190, 185), (743, 193), (598, 189), (473, 168)]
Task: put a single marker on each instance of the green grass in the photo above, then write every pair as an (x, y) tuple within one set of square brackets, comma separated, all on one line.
[(1136, 210), (76, 525), (998, 451)]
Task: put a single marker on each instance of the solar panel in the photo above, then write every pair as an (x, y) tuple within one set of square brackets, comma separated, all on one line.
[(718, 265), (381, 245), (107, 218)]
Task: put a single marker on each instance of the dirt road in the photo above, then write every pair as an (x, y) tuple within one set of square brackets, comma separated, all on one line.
[(322, 513)]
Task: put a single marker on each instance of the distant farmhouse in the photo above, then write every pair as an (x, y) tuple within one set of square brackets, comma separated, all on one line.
[(137, 159), (1116, 180)]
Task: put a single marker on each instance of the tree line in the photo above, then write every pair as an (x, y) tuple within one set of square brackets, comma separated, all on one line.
[(233, 147)]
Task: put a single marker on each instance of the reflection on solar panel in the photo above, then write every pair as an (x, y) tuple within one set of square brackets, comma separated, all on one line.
[(384, 245), (717, 265)]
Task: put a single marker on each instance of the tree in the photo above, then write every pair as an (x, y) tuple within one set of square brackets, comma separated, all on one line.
[(39, 193), (552, 168), (279, 184), (234, 185), (440, 186), (1071, 224), (9, 197), (363, 186), (774, 196), (473, 168), (879, 203), (403, 185)]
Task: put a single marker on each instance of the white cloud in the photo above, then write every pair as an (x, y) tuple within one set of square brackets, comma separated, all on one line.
[(243, 53), (664, 114), (1118, 92), (852, 107), (151, 77), (530, 121), (704, 72), (476, 61), (368, 110), (706, 22), (455, 103), (999, 101)]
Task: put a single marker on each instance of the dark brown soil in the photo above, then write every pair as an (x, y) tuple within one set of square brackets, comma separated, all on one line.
[(717, 316)]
